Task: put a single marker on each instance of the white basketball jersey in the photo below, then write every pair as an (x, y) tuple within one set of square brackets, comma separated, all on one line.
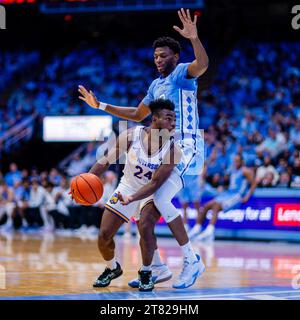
[(140, 166)]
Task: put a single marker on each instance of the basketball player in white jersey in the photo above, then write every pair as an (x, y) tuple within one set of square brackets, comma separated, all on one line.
[(146, 169), (177, 82)]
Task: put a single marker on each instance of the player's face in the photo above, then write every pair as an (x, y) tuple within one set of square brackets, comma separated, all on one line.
[(165, 60), (166, 120)]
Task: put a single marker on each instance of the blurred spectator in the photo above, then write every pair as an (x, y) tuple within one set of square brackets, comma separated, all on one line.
[(267, 172), (295, 183), (273, 144), (13, 175), (76, 166), (7, 205), (36, 199), (284, 180)]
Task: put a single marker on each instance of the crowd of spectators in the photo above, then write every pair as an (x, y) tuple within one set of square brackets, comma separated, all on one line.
[(33, 201), (13, 66), (253, 109)]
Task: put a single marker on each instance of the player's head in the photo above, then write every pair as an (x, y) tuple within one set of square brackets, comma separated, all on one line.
[(163, 115), (166, 54), (238, 161)]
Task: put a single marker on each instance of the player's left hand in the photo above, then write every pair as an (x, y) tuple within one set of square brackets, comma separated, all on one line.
[(124, 199), (189, 30)]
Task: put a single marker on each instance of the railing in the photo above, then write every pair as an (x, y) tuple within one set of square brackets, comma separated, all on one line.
[(76, 6), (18, 132)]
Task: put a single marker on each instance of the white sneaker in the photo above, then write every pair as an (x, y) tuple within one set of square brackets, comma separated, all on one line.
[(159, 274), (194, 231), (189, 273), (205, 236)]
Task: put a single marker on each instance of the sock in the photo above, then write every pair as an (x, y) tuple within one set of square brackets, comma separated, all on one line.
[(210, 229), (189, 252), (156, 260), (111, 264), (146, 268), (197, 227), (24, 223)]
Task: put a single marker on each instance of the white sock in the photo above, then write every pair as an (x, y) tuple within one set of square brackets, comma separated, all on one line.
[(210, 229), (189, 252), (112, 264), (146, 268), (156, 260), (197, 227), (24, 223)]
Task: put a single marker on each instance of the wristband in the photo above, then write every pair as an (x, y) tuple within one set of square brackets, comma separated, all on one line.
[(102, 105)]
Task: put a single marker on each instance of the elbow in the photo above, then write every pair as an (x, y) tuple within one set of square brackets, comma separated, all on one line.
[(138, 117)]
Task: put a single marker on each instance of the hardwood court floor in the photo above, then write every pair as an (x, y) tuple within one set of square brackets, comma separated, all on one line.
[(55, 267)]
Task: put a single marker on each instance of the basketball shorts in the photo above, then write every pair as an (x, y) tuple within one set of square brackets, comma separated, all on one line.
[(125, 212)]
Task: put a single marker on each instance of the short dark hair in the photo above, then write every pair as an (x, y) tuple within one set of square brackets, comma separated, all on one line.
[(159, 104), (167, 42)]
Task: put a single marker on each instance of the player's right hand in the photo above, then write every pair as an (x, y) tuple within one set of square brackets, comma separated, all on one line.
[(124, 199), (88, 97)]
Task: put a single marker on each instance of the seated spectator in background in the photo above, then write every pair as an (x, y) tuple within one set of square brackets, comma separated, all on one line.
[(248, 124), (48, 205), (22, 199), (267, 181), (284, 180), (214, 166), (76, 166), (62, 201), (295, 134), (7, 206), (273, 144), (36, 199), (295, 183), (259, 160), (13, 175), (54, 177), (89, 158), (262, 172), (282, 166)]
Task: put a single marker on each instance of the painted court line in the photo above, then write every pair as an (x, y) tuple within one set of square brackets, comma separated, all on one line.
[(218, 295)]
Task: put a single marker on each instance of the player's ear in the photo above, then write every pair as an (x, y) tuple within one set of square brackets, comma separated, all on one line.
[(176, 57)]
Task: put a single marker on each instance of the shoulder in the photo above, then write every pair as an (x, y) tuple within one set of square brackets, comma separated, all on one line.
[(181, 68), (153, 83)]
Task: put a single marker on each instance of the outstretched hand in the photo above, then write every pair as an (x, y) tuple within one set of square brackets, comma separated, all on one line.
[(88, 97), (124, 199), (189, 30)]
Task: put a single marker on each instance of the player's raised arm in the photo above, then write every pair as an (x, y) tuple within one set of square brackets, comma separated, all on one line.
[(189, 31), (129, 113)]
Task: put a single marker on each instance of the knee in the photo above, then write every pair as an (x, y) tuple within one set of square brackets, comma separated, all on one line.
[(103, 238), (159, 201), (146, 227)]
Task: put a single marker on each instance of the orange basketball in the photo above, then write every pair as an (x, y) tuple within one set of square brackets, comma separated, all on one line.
[(87, 189)]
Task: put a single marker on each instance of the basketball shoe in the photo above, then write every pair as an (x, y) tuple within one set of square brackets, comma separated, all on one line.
[(189, 274), (105, 278)]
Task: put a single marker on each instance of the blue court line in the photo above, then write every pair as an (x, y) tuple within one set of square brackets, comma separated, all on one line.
[(209, 293)]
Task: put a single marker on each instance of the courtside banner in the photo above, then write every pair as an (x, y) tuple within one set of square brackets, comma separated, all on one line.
[(258, 213)]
